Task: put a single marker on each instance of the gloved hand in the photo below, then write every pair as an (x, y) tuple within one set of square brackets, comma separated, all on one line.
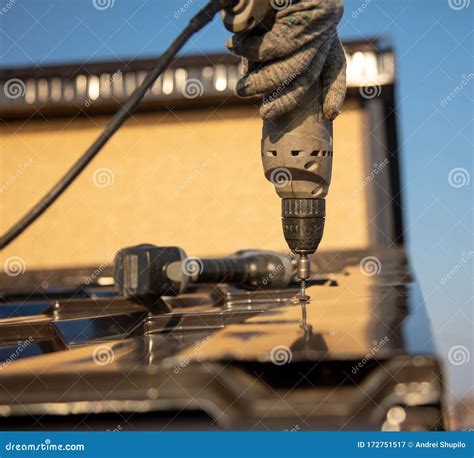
[(301, 47)]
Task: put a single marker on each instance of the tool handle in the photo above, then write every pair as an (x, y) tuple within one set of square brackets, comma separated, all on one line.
[(229, 269)]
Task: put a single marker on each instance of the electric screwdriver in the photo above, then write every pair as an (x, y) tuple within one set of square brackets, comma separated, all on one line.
[(151, 271), (296, 150)]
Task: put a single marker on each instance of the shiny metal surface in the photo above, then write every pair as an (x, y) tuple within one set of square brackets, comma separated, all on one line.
[(252, 360)]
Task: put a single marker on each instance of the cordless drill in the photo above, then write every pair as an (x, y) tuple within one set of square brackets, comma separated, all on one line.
[(149, 271), (297, 159), (296, 151)]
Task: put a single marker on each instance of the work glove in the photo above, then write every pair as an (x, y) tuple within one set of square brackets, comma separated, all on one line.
[(301, 47)]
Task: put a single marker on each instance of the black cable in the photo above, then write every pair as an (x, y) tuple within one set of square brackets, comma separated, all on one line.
[(200, 20)]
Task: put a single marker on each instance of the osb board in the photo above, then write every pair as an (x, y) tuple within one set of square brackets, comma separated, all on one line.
[(189, 178)]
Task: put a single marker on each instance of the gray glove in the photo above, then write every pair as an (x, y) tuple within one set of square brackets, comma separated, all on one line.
[(301, 47)]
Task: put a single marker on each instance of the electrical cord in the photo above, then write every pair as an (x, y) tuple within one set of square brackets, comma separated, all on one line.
[(200, 20)]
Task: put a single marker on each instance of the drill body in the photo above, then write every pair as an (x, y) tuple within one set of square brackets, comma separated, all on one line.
[(297, 156), (296, 149)]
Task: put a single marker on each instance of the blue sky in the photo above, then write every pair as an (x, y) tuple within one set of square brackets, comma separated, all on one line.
[(434, 45)]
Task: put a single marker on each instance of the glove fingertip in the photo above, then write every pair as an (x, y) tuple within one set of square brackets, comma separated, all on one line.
[(240, 88), (330, 113)]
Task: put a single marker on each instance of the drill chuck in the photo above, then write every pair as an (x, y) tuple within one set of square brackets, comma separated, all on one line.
[(303, 223)]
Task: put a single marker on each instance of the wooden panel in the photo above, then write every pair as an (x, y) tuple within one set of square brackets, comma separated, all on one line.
[(190, 178)]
